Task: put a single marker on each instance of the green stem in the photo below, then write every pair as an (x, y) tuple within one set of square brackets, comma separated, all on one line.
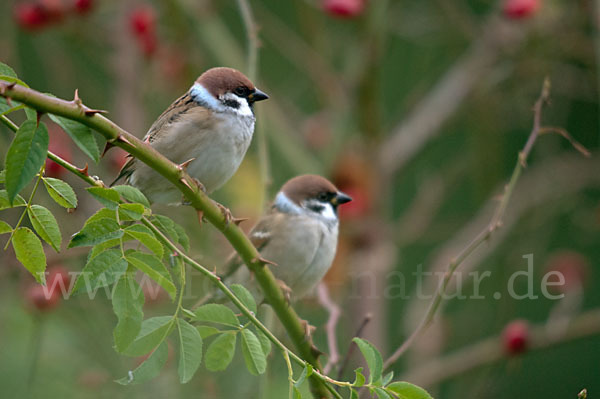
[(27, 207)]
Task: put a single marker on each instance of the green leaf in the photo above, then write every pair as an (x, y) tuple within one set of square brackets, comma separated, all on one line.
[(106, 196), (99, 248), (153, 332), (100, 214), (353, 394), (217, 313), (360, 379), (382, 394), (25, 156), (405, 390), (127, 301), (245, 296), (373, 358), (190, 350), (174, 231), (207, 331), (220, 352), (45, 225), (5, 203), (297, 394), (149, 369), (7, 71), (29, 251), (132, 194), (80, 134), (2, 176), (5, 227), (144, 235), (253, 353), (131, 211), (265, 343), (154, 268), (96, 232), (101, 271), (306, 372), (60, 192), (387, 378)]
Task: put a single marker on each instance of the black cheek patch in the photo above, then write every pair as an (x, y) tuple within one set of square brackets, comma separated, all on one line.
[(232, 103), (316, 208)]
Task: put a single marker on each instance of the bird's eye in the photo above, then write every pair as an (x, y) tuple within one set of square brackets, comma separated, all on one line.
[(240, 91), (323, 197)]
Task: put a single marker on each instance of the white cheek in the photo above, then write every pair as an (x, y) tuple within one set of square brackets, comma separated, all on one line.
[(201, 95), (284, 204), (328, 213)]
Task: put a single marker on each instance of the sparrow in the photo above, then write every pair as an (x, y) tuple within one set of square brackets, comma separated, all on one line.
[(299, 234), (207, 130)]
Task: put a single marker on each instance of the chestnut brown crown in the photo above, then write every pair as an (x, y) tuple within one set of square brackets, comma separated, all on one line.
[(221, 80), (304, 187)]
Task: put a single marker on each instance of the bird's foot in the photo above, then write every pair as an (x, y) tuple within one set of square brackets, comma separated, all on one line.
[(226, 213), (286, 290), (198, 182)]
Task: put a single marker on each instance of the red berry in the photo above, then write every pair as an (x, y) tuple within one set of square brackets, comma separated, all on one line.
[(83, 6), (344, 8), (517, 9), (31, 16), (516, 337), (118, 158), (58, 281), (142, 20), (148, 43), (40, 298)]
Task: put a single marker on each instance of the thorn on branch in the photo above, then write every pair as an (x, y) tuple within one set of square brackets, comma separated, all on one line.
[(84, 170), (76, 99), (38, 116), (183, 166), (238, 221), (107, 147), (122, 139), (263, 261)]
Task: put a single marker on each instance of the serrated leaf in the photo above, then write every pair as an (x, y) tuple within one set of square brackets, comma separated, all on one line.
[(100, 214), (190, 350), (154, 268), (99, 248), (253, 353), (5, 203), (29, 251), (172, 230), (60, 192), (245, 296), (45, 225), (373, 358), (80, 134), (106, 196), (359, 379), (406, 390), (220, 352), (207, 331), (96, 232), (265, 343), (127, 302), (25, 156), (5, 227), (149, 369), (131, 211), (144, 235), (306, 372), (132, 194), (101, 271), (382, 394), (153, 332), (216, 313)]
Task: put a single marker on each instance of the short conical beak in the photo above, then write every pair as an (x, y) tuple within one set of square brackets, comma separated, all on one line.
[(258, 95), (341, 198)]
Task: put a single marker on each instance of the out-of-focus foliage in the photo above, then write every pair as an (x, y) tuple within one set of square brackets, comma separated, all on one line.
[(339, 89)]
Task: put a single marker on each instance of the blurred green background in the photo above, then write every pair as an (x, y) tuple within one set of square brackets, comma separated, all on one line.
[(416, 109)]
